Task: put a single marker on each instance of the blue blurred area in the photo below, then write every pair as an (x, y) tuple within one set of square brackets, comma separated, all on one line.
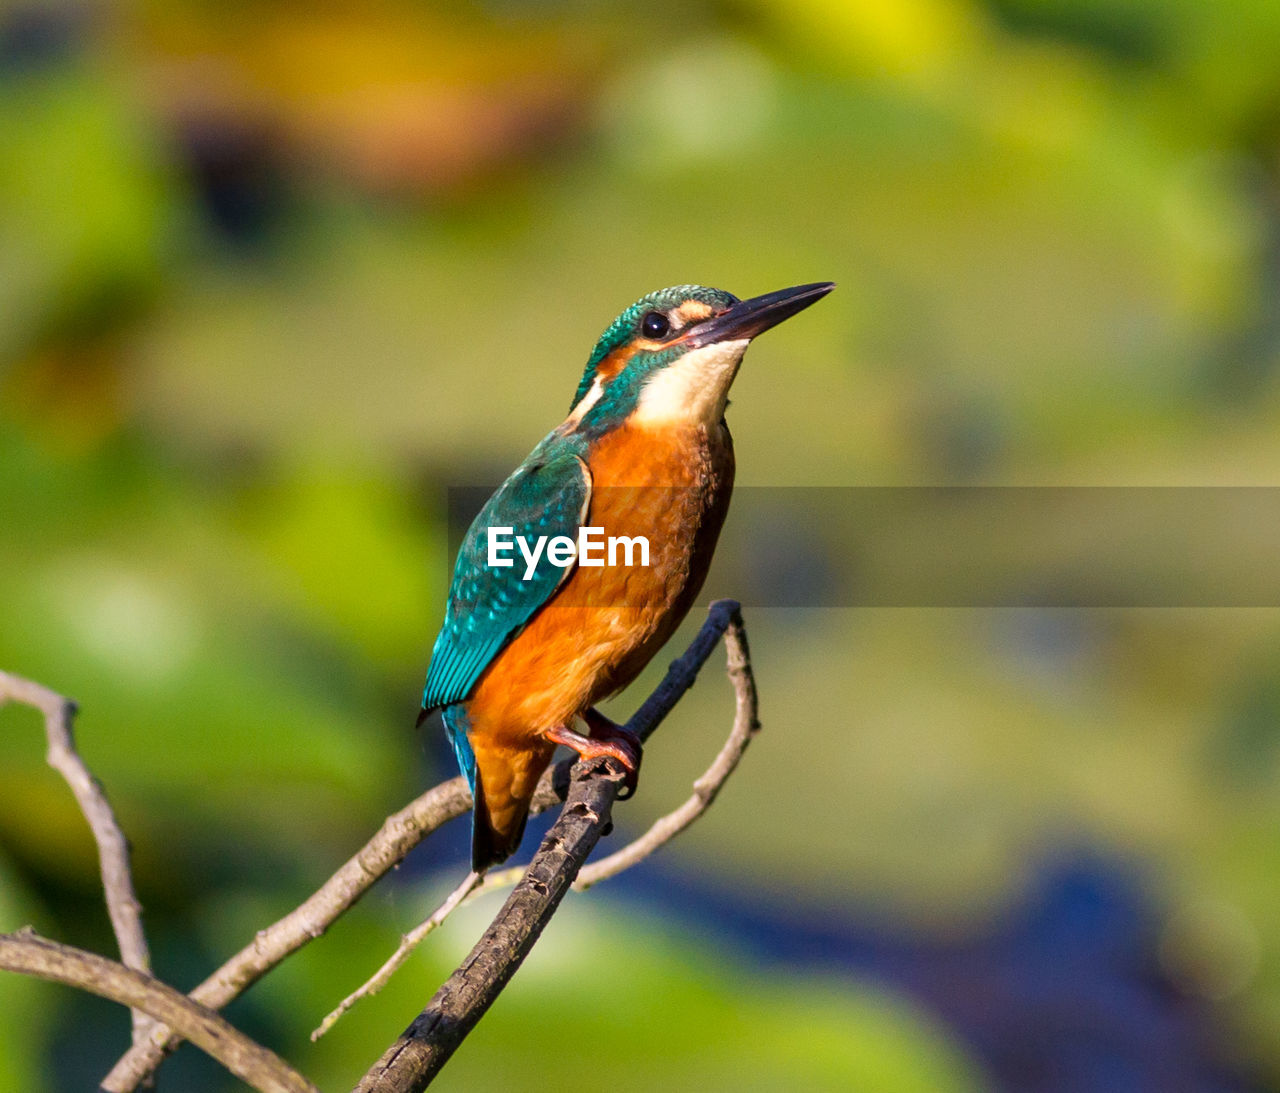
[(1062, 992)]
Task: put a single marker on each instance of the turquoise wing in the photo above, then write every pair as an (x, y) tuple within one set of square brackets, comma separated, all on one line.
[(547, 495)]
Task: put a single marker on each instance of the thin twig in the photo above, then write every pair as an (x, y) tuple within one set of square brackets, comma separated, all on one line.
[(746, 723), (397, 836), (745, 726), (428, 1043), (26, 953), (123, 907), (408, 943), (410, 1064)]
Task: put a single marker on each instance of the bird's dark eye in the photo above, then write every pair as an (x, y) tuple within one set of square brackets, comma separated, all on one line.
[(655, 325)]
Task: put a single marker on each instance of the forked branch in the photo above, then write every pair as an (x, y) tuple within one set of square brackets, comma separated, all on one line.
[(429, 1042), (410, 1064), (123, 907), (746, 724), (399, 834), (253, 1064)]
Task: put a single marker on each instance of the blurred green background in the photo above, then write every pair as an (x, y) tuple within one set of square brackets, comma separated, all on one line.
[(274, 276)]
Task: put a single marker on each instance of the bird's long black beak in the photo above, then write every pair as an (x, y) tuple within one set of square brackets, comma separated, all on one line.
[(747, 318)]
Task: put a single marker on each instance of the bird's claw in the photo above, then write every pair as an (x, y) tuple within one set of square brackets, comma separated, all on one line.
[(606, 740), (624, 745)]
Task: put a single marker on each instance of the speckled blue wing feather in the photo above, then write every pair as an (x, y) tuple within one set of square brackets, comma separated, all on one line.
[(547, 495)]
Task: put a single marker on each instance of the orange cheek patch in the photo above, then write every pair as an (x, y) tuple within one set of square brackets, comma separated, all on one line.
[(615, 362), (692, 311)]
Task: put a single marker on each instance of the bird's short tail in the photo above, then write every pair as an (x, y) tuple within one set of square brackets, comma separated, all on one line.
[(492, 845), (505, 781)]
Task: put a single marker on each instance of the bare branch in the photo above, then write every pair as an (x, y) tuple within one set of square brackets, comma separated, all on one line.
[(746, 723), (428, 1043), (28, 954), (123, 907), (410, 1064), (408, 943), (397, 836)]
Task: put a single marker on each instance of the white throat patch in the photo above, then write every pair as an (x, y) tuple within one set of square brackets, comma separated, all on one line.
[(693, 388), (588, 401)]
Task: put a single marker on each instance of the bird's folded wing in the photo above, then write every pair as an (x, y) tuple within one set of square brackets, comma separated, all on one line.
[(488, 605)]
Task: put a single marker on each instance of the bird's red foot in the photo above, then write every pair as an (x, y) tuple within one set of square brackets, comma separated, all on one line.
[(606, 739), (601, 728)]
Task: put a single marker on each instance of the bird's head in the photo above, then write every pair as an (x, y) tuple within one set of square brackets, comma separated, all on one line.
[(671, 357)]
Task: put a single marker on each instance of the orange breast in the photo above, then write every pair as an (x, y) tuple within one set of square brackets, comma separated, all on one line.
[(605, 623)]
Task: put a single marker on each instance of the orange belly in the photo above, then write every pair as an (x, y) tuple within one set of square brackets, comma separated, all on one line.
[(605, 623)]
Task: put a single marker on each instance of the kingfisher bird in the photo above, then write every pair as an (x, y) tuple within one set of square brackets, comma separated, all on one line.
[(531, 643)]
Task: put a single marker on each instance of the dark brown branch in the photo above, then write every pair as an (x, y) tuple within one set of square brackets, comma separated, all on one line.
[(123, 907), (746, 723), (428, 1043), (745, 726), (410, 1064), (28, 954), (397, 836)]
